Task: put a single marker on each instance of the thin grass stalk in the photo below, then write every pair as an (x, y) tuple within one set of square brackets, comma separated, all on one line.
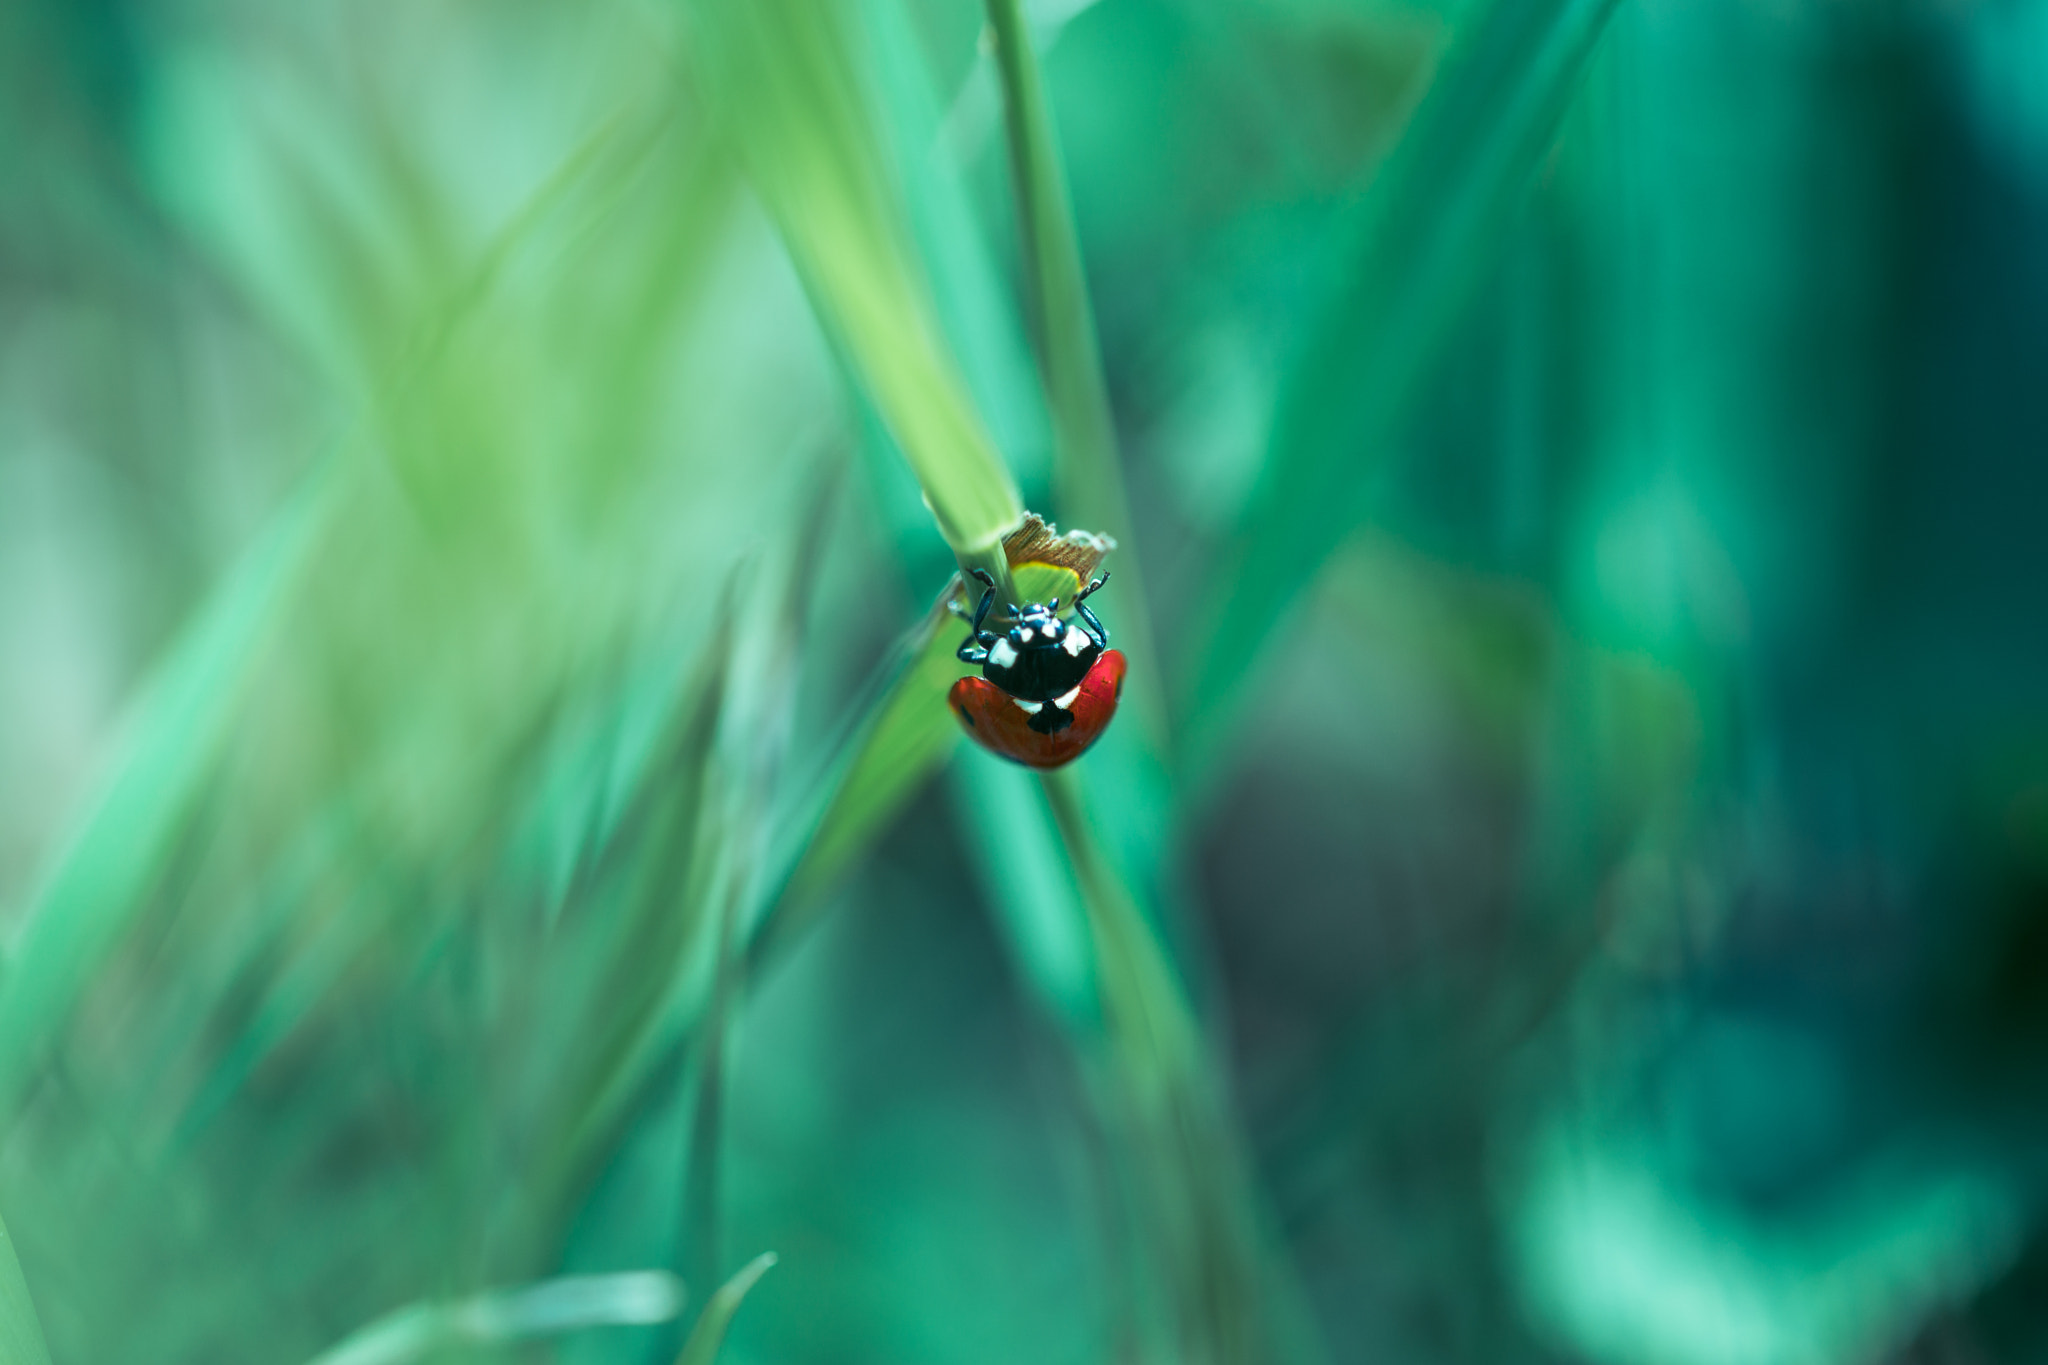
[(1176, 1158), (432, 1330), (1087, 484), (759, 734), (701, 1222), (712, 1324), (1088, 481)]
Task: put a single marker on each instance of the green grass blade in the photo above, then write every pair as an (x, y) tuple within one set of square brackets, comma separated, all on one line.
[(654, 880), (21, 1333), (184, 711), (1207, 1286), (550, 1308), (709, 1333), (699, 1219), (1031, 887), (784, 78), (971, 288), (1433, 220), (898, 739)]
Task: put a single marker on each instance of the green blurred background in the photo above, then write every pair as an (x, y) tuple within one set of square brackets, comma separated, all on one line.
[(1585, 468)]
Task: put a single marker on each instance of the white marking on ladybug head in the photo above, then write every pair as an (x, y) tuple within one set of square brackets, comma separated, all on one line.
[(1030, 708), (1002, 654), (1066, 703), (1075, 642)]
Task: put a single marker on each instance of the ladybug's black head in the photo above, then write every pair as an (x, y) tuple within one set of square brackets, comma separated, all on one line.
[(1039, 620)]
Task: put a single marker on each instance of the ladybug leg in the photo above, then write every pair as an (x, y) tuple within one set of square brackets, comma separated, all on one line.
[(1089, 623), (974, 649)]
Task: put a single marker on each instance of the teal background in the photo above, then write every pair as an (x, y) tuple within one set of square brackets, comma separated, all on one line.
[(1599, 806)]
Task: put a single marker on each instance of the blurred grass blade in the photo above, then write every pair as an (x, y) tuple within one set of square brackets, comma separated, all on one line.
[(1433, 220), (1194, 1286), (900, 733), (550, 1308), (782, 75), (184, 710), (971, 289), (709, 1333), (755, 740), (1031, 886), (700, 1213), (653, 880), (21, 1333)]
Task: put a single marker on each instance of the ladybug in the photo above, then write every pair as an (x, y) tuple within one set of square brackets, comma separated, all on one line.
[(1047, 687)]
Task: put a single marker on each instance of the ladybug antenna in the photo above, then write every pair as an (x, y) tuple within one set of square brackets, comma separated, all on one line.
[(1053, 605)]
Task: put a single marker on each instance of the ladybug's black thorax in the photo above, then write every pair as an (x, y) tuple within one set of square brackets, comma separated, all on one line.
[(1041, 667)]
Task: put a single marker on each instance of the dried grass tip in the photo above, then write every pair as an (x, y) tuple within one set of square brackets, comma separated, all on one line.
[(1037, 541)]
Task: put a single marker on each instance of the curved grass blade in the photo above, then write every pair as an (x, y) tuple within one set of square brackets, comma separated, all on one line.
[(176, 729), (756, 741), (1206, 1288), (1433, 219), (550, 1308), (709, 1333), (971, 290), (899, 738)]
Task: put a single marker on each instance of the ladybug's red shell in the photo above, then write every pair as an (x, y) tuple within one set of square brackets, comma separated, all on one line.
[(998, 724)]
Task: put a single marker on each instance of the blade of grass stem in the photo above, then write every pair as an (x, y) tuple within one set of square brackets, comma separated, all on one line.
[(754, 742), (971, 292), (709, 1334), (1030, 885), (1087, 480), (700, 1204), (1224, 1298)]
